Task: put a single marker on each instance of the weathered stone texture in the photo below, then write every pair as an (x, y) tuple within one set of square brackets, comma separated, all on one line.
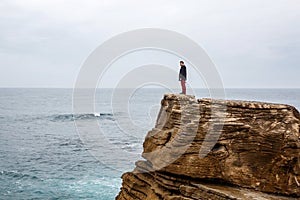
[(217, 149)]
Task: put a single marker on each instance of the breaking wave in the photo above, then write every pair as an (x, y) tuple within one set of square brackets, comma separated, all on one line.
[(72, 117)]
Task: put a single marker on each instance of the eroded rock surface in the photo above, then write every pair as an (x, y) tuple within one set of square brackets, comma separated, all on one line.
[(217, 149)]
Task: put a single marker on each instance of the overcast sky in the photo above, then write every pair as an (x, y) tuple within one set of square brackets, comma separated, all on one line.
[(254, 43)]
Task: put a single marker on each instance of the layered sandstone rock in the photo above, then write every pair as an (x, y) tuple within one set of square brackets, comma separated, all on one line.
[(217, 149)]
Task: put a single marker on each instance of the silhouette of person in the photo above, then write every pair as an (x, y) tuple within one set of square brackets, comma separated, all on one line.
[(182, 77)]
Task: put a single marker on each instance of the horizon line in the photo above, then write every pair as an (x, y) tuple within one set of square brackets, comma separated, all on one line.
[(148, 88)]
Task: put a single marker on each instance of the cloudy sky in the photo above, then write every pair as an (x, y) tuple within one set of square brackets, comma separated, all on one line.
[(254, 43)]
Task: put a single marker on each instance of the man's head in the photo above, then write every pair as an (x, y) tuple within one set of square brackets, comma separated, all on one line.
[(181, 63)]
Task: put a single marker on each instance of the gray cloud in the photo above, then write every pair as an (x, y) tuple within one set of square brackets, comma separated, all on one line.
[(253, 43)]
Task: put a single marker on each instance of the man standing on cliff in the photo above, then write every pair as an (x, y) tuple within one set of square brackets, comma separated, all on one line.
[(182, 77)]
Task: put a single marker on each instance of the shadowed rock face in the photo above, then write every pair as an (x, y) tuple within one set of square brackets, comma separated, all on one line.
[(217, 149)]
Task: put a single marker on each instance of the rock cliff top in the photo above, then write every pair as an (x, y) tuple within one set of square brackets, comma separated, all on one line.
[(218, 149)]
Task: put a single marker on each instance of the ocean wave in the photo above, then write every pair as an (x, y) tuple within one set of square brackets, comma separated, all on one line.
[(72, 117), (18, 175), (59, 117)]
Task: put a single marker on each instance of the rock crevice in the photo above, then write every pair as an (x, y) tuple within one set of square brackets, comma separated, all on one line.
[(218, 149)]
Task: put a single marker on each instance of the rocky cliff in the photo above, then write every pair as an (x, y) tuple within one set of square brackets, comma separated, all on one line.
[(217, 149)]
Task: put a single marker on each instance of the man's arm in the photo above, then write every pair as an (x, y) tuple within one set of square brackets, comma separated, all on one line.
[(180, 74)]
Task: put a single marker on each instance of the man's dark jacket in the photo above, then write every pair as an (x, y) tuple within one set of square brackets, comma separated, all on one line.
[(182, 73)]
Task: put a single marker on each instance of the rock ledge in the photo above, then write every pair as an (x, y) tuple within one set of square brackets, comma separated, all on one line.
[(218, 149)]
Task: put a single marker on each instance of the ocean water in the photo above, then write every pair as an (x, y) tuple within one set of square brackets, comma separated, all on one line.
[(43, 155)]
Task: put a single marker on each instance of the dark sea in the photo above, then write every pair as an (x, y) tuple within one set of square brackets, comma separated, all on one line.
[(43, 156)]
